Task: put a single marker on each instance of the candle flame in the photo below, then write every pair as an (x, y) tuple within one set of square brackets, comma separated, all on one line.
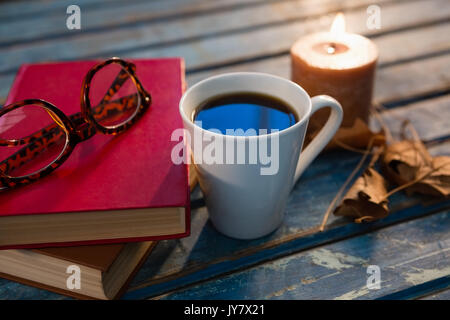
[(331, 49), (338, 26)]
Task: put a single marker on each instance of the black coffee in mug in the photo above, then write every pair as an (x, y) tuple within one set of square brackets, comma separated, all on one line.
[(245, 110)]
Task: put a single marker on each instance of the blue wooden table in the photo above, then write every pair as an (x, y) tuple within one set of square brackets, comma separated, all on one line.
[(411, 246)]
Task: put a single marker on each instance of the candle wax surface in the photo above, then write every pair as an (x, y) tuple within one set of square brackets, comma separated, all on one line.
[(353, 50), (339, 65)]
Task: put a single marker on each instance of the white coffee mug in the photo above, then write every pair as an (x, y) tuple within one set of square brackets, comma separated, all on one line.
[(244, 201)]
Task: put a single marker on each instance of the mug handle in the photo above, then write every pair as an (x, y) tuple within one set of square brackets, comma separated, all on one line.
[(325, 134)]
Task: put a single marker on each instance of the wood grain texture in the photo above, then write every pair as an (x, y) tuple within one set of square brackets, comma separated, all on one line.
[(36, 23), (420, 289), (232, 46), (393, 84), (408, 254), (171, 38), (394, 81), (143, 40), (277, 39), (429, 113), (442, 295), (187, 27), (400, 48), (22, 10), (10, 290)]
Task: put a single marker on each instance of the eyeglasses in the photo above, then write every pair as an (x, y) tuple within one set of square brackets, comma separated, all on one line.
[(36, 137)]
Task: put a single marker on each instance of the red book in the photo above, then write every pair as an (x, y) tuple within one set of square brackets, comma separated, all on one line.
[(112, 189)]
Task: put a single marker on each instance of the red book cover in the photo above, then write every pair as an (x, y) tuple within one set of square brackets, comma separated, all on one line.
[(132, 170)]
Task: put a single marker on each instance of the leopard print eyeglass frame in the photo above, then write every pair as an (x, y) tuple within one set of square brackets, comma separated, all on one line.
[(73, 129)]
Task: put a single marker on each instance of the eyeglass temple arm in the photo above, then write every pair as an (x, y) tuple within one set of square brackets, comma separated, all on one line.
[(32, 150), (108, 110), (118, 82)]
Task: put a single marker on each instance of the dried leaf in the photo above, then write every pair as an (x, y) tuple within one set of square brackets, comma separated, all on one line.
[(408, 161), (437, 183), (403, 159), (365, 201), (357, 136)]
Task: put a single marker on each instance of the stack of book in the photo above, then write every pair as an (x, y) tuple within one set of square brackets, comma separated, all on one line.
[(100, 214)]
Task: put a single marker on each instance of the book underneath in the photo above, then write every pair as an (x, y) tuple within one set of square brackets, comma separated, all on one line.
[(104, 270)]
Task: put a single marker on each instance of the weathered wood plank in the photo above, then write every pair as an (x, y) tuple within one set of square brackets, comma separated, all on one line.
[(10, 290), (239, 262), (25, 9), (104, 16), (5, 84), (189, 37), (394, 82), (16, 9), (61, 51), (408, 255), (278, 38), (419, 290), (443, 295), (400, 46), (188, 260), (429, 111)]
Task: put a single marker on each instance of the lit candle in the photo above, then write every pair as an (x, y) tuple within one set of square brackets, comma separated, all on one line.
[(339, 64)]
